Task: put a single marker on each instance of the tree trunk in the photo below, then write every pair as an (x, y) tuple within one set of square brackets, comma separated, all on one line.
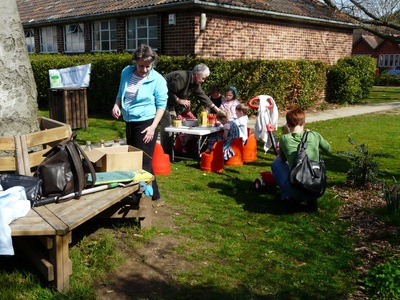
[(18, 94)]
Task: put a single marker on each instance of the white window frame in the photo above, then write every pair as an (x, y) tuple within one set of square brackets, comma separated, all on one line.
[(48, 39), (396, 60), (30, 40), (141, 30), (391, 60), (104, 36), (384, 60), (74, 40), (381, 60)]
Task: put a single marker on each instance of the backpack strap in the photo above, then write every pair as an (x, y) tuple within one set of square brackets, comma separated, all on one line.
[(303, 142), (75, 151), (88, 163), (305, 136)]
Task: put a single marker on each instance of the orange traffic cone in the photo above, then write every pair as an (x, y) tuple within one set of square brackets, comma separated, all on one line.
[(160, 162)]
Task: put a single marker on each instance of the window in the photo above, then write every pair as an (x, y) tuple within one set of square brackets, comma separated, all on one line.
[(141, 31), (386, 60), (74, 38), (30, 40), (381, 60), (391, 60), (104, 36), (397, 60), (48, 39)]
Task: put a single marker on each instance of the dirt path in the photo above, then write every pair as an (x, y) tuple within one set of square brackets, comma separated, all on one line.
[(149, 271)]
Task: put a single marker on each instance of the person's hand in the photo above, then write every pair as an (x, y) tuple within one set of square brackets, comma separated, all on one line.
[(184, 102), (215, 108), (148, 134), (116, 111)]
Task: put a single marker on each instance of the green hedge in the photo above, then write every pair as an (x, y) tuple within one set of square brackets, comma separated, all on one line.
[(387, 80), (291, 83), (350, 80)]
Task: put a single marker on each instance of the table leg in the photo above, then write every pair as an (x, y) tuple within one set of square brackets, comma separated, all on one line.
[(174, 136), (201, 142)]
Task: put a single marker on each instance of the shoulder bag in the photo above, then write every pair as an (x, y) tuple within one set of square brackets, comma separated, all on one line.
[(307, 175), (65, 170)]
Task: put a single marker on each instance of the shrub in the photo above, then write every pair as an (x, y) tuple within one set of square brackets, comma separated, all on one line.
[(350, 80), (383, 281), (387, 80), (291, 83), (391, 194), (364, 169)]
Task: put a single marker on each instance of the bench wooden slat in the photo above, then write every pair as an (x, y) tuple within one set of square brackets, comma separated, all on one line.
[(7, 163), (35, 158), (59, 226), (7, 143), (32, 225), (47, 123), (51, 136), (89, 205), (13, 161)]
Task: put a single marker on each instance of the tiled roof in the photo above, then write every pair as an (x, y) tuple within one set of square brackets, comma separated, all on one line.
[(372, 40), (42, 11)]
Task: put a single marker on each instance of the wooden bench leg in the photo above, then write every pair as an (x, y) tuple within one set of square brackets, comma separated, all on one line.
[(146, 212), (50, 255), (59, 258)]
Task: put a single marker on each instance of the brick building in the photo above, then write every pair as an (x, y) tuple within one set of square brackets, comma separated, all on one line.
[(247, 29), (386, 53)]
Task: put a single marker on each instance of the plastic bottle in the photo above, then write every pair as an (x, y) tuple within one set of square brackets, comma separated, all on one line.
[(88, 146), (116, 143), (203, 118)]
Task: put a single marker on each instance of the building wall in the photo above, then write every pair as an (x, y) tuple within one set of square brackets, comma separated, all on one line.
[(362, 47), (239, 37), (387, 54), (179, 39), (388, 48), (256, 38)]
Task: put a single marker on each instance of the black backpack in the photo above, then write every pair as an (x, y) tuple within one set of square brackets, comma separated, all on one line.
[(306, 175)]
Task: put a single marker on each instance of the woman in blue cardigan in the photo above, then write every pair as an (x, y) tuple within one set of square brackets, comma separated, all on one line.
[(141, 100)]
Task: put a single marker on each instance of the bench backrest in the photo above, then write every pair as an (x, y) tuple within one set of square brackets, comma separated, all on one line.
[(26, 151), (11, 155)]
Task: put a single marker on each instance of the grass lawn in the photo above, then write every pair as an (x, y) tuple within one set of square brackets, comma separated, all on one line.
[(236, 242)]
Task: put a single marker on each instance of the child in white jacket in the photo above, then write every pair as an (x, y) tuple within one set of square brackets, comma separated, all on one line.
[(242, 120)]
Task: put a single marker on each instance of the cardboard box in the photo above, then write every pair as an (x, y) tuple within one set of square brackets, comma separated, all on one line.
[(116, 158)]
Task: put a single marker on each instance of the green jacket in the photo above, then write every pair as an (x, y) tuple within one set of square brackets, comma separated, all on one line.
[(288, 144)]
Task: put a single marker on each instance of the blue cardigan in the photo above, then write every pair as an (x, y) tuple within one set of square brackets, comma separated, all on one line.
[(152, 95)]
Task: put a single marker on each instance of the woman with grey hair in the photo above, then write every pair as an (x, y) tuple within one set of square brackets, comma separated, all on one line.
[(182, 85), (141, 100)]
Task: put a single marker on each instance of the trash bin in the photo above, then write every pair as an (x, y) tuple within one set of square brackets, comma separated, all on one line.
[(69, 105)]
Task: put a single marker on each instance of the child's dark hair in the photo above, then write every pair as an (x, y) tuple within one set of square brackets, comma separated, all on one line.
[(243, 108), (215, 88)]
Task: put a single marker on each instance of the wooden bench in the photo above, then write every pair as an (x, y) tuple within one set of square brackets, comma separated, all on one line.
[(46, 231), (51, 225)]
